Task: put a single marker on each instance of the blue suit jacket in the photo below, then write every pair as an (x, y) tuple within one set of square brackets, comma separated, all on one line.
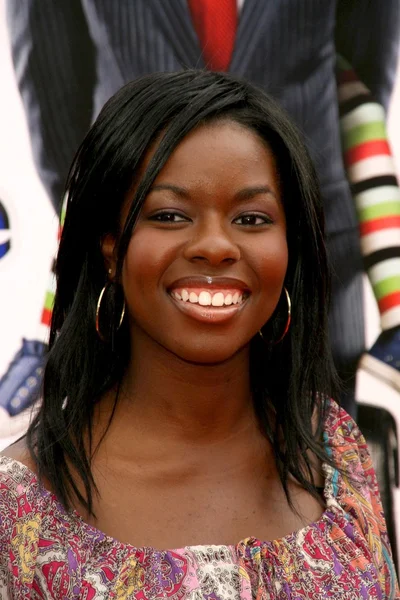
[(70, 57)]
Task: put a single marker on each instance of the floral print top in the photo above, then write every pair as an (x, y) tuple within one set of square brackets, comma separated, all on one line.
[(49, 553)]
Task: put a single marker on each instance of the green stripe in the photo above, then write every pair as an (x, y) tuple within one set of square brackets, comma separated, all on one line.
[(49, 301), (387, 286), (366, 132), (62, 216), (63, 209), (376, 211)]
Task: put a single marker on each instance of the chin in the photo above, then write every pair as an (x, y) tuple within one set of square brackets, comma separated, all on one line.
[(208, 356)]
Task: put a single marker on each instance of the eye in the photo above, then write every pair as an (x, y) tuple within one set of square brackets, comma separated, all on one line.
[(168, 216), (253, 220)]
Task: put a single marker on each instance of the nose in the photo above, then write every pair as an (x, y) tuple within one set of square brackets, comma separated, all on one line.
[(212, 243)]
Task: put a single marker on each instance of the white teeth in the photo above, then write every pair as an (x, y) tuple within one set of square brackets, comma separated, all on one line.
[(205, 298), (228, 299), (218, 299)]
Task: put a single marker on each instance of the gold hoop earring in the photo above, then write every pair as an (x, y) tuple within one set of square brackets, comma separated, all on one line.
[(288, 320), (98, 307)]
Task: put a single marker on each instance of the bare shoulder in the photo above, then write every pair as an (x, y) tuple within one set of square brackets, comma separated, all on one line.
[(19, 451)]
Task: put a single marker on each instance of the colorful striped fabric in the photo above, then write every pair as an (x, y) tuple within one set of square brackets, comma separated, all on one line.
[(44, 327), (371, 172)]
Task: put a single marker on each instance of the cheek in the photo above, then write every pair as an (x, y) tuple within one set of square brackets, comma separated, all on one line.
[(147, 258), (272, 262)]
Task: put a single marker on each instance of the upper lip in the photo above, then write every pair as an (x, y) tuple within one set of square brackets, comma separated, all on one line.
[(209, 282)]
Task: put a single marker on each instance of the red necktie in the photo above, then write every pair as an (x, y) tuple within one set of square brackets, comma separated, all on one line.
[(215, 22)]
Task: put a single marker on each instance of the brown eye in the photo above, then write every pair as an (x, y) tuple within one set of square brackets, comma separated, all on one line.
[(169, 217), (252, 220)]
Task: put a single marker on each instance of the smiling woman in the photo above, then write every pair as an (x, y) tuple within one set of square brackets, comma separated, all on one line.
[(206, 236), (181, 414)]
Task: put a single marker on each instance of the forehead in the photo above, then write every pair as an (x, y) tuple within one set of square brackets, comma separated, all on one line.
[(223, 151)]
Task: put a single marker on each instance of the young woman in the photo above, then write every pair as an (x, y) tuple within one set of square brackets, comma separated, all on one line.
[(185, 446)]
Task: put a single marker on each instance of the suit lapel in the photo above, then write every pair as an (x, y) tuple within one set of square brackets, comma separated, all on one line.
[(174, 19), (252, 25)]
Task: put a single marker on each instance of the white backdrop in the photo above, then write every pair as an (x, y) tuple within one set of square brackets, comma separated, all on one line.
[(33, 226), (24, 269)]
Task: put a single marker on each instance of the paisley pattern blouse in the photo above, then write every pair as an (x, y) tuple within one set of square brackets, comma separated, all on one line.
[(48, 553)]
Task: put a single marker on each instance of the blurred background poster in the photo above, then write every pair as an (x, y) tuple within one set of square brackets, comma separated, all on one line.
[(28, 224)]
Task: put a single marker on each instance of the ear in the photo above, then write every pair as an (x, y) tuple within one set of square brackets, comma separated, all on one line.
[(108, 250)]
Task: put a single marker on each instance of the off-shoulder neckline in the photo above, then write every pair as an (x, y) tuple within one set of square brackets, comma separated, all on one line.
[(331, 507)]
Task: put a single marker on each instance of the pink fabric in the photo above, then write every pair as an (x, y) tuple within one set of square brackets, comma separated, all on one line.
[(47, 553)]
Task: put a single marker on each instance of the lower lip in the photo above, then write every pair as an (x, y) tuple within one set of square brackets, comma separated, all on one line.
[(208, 314)]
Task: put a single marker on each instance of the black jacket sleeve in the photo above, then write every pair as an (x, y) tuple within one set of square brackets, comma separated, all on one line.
[(54, 62)]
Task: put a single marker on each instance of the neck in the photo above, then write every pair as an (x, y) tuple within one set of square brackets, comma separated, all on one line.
[(169, 397)]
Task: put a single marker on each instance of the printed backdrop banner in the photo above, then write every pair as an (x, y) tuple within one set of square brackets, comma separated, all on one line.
[(28, 225)]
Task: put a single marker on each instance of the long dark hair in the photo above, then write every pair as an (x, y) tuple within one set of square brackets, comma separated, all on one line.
[(289, 379)]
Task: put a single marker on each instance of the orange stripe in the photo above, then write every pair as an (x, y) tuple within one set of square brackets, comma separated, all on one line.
[(366, 150), (46, 317), (389, 301), (378, 224)]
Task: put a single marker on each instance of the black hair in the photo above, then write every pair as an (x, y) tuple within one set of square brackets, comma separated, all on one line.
[(289, 379)]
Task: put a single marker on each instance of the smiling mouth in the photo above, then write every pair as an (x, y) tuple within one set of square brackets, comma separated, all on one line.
[(209, 306), (212, 298)]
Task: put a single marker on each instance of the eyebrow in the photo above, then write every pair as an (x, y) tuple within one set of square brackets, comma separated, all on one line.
[(178, 191), (250, 192), (245, 194)]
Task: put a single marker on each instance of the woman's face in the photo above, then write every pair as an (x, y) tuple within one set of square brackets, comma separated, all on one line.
[(207, 260)]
